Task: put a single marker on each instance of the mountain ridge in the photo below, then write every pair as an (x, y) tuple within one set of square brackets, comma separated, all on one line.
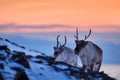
[(19, 63)]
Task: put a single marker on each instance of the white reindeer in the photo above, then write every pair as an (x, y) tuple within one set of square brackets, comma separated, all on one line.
[(90, 54), (65, 54)]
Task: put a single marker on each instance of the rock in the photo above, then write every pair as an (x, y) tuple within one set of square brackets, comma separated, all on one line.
[(21, 75), (29, 56), (2, 57), (38, 62), (8, 40), (19, 57), (40, 57), (1, 77), (22, 47), (41, 74), (49, 59), (105, 76), (1, 66), (3, 47), (19, 53), (1, 38)]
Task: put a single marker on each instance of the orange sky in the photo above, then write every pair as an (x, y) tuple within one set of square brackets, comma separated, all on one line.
[(65, 12)]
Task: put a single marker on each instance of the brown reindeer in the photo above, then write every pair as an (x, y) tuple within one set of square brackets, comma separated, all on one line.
[(90, 54)]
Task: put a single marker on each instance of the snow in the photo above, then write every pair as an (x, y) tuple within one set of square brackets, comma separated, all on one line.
[(2, 52), (47, 73), (37, 71), (8, 73), (2, 42), (13, 47), (61, 66)]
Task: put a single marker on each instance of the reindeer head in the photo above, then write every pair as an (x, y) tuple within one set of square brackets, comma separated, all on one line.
[(80, 43), (58, 49)]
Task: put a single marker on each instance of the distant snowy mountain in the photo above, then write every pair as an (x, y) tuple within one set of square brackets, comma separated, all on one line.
[(20, 63)]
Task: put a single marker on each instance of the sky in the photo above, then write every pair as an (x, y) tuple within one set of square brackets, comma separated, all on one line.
[(36, 23), (101, 15)]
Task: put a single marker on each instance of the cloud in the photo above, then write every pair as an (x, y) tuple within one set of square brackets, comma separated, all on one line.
[(15, 28)]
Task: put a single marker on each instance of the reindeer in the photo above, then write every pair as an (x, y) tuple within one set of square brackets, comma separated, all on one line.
[(65, 54), (89, 53)]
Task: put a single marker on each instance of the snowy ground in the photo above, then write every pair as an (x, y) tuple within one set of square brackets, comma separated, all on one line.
[(19, 63)]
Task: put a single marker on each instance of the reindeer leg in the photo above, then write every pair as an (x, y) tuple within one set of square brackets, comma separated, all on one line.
[(99, 65), (84, 66), (91, 66), (85, 63), (96, 67)]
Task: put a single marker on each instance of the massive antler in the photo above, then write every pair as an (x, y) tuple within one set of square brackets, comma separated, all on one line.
[(65, 41), (60, 44), (76, 35), (87, 35), (57, 40)]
